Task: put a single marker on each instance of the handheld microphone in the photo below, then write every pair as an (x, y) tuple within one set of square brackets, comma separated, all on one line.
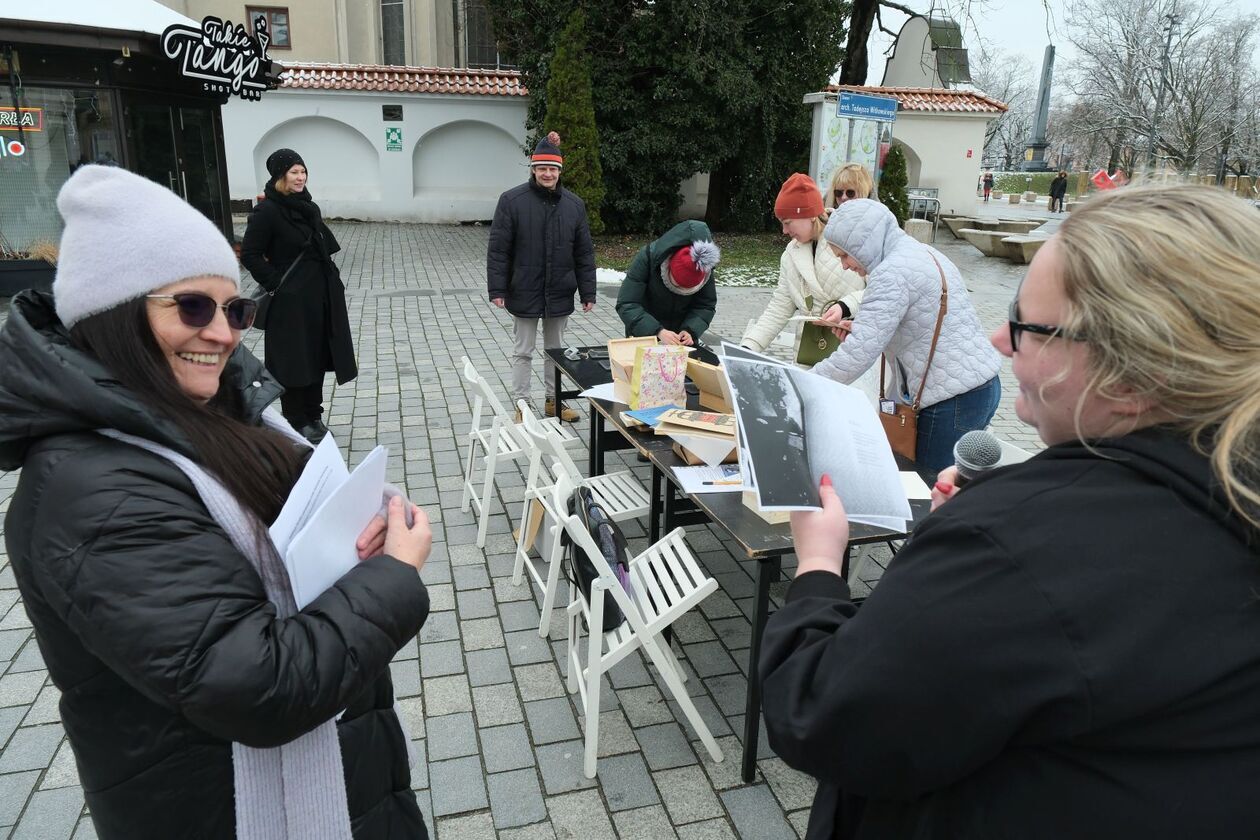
[(975, 454)]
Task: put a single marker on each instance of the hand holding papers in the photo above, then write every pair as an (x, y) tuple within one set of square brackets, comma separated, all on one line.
[(797, 426), (328, 508)]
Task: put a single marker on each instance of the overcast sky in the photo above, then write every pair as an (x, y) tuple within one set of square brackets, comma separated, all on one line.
[(1013, 26)]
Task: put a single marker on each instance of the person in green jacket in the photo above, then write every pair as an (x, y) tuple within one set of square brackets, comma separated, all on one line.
[(669, 291)]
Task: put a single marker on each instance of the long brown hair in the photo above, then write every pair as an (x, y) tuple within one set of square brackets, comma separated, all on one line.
[(257, 465)]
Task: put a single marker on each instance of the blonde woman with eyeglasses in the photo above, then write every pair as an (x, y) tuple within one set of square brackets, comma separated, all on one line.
[(1068, 646), (853, 180)]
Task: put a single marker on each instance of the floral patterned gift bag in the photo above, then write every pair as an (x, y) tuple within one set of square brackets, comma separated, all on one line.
[(660, 374)]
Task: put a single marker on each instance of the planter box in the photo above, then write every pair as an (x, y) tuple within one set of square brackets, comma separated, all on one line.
[(16, 275)]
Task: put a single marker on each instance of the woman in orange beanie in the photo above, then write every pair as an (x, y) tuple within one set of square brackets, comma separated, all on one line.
[(811, 278)]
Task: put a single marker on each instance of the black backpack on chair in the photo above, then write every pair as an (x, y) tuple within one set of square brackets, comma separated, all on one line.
[(611, 543)]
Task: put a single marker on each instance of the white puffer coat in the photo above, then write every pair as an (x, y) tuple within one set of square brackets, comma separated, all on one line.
[(899, 309), (804, 271)]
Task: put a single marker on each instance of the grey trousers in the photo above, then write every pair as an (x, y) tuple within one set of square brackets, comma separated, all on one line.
[(525, 332)]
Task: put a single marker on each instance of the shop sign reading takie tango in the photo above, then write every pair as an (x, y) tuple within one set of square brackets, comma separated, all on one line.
[(27, 119), (224, 56)]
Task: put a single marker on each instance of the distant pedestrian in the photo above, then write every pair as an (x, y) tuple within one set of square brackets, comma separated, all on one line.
[(1058, 190), (540, 255), (988, 184), (308, 329)]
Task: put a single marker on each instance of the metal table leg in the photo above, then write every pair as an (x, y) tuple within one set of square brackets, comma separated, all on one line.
[(767, 571), (655, 511), (595, 452)]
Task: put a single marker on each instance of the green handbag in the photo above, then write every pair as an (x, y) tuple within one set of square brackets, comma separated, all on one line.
[(817, 343)]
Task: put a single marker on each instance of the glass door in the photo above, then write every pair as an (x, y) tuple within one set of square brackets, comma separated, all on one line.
[(152, 135), (176, 146)]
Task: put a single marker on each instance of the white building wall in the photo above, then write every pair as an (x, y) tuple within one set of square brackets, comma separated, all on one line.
[(458, 152), (941, 142)]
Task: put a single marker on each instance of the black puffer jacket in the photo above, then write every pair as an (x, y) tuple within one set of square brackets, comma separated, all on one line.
[(540, 252), (158, 632)]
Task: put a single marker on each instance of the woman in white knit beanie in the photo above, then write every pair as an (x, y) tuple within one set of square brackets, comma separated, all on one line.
[(199, 700)]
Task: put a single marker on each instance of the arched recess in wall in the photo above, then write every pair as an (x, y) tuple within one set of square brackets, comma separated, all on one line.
[(914, 166), (343, 165), (467, 160)]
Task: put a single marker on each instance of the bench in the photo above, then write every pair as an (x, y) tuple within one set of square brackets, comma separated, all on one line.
[(1022, 248), (1018, 225)]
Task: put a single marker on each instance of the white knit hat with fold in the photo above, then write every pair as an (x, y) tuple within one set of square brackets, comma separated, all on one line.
[(125, 237)]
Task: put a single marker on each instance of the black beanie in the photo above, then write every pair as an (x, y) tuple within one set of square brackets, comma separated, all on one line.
[(281, 161)]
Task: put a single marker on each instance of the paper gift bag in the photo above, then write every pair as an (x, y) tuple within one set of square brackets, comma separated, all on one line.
[(660, 376), (621, 355)]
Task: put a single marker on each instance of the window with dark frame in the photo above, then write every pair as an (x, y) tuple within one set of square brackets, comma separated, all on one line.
[(393, 33), (277, 18), (482, 52)]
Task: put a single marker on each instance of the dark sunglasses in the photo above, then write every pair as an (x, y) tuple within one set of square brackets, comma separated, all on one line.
[(839, 194), (1017, 326), (197, 310)]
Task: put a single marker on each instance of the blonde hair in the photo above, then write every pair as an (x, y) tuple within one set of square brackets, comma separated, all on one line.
[(851, 176), (282, 185), (1161, 284)]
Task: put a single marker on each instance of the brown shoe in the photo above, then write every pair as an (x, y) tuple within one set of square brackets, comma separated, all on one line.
[(517, 416), (567, 415)]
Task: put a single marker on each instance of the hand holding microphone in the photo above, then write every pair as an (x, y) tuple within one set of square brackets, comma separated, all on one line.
[(975, 454)]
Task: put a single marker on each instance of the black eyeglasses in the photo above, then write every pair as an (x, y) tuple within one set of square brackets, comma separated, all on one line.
[(839, 194), (1017, 326), (197, 309)]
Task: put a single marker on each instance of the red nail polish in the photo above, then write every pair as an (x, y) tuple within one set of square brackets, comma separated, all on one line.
[(945, 487), (826, 480)]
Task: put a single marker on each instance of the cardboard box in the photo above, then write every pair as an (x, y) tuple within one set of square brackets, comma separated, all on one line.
[(686, 454), (711, 384), (621, 363)]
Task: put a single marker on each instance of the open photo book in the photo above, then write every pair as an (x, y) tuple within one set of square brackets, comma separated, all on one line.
[(795, 426)]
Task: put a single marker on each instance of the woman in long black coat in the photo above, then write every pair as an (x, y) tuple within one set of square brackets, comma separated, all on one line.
[(308, 330)]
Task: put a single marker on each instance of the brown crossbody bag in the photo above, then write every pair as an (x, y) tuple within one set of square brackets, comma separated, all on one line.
[(901, 425)]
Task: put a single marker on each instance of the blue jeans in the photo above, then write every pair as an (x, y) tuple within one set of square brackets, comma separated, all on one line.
[(941, 425)]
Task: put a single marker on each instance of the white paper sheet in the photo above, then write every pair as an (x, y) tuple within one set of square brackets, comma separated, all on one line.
[(914, 486), (601, 392), (324, 471), (322, 551), (720, 479), (710, 450)]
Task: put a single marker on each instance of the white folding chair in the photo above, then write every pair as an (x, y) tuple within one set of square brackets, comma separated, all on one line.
[(665, 583), (502, 441), (620, 494)]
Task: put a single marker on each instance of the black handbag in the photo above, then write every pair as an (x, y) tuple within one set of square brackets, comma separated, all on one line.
[(612, 544), (263, 298)]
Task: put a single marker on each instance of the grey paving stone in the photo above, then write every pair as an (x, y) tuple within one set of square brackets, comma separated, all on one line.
[(412, 709), (467, 827), (615, 735), (561, 767), (709, 713), (551, 720), (440, 659), (520, 615), (29, 659), (441, 595), (580, 816), (406, 677), (482, 633), (525, 647), (538, 682), (14, 790), (488, 667), (626, 782), (506, 748), (735, 633), (467, 555), (644, 706), (629, 673), (451, 736), (11, 641), (756, 814), (457, 786), (11, 717), (85, 830), (469, 577), (505, 591), (515, 798), (62, 772), (691, 627), (440, 627), (420, 770), (496, 704), (710, 659), (50, 815), (799, 821), (665, 746), (445, 695), (728, 692), (537, 831), (31, 748), (21, 689), (687, 793), (475, 603), (650, 823), (707, 830)]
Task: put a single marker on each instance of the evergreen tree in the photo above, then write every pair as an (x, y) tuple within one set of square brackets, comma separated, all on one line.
[(687, 86), (571, 114), (892, 185)]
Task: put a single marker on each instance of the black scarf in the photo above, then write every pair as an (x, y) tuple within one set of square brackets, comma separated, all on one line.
[(302, 209)]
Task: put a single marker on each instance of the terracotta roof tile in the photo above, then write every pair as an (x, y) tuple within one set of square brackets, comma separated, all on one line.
[(931, 99), (393, 79)]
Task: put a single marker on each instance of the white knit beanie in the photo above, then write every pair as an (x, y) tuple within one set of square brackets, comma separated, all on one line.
[(126, 236)]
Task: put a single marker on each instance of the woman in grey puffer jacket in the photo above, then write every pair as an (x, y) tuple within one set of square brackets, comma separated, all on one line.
[(898, 317)]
